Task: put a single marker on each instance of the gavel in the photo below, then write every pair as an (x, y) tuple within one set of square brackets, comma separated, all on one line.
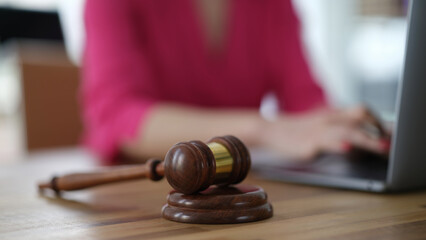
[(189, 167)]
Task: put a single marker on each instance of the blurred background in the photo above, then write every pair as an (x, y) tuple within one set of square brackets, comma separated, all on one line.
[(355, 47)]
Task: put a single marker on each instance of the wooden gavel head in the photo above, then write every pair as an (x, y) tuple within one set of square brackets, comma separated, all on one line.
[(193, 166)]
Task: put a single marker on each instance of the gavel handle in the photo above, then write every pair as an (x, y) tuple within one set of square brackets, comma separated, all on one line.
[(153, 169)]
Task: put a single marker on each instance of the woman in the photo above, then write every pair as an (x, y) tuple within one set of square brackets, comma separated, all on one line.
[(160, 72)]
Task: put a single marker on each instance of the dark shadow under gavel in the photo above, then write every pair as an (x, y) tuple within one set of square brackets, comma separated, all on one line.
[(191, 168)]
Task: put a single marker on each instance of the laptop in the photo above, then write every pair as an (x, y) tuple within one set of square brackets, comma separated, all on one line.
[(405, 168)]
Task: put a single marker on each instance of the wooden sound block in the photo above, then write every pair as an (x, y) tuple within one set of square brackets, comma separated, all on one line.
[(219, 205)]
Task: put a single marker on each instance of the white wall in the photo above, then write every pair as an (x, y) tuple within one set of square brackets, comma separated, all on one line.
[(326, 29)]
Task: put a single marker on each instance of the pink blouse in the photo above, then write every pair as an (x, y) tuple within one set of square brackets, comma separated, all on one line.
[(141, 52)]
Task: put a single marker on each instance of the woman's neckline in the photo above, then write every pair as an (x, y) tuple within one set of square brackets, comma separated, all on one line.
[(211, 51)]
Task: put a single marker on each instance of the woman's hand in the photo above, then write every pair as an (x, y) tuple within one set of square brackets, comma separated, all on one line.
[(298, 136), (337, 131)]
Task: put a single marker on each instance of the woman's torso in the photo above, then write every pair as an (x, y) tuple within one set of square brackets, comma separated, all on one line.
[(184, 67)]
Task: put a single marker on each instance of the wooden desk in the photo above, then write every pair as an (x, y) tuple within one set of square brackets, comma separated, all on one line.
[(132, 210)]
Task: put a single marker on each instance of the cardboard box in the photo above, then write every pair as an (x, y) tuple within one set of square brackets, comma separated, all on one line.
[(50, 95)]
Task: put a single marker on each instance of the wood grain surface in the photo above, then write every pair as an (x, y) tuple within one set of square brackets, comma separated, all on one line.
[(133, 210)]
